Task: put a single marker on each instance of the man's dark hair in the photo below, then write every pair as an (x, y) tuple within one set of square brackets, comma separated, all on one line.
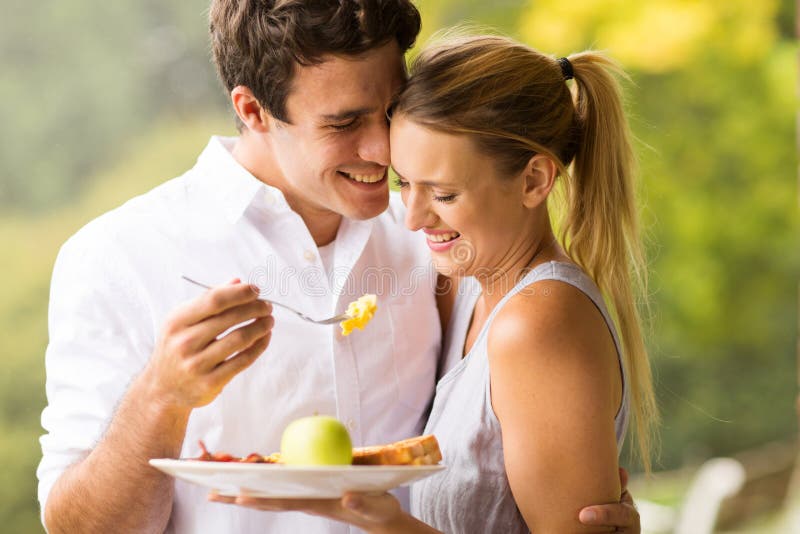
[(256, 43)]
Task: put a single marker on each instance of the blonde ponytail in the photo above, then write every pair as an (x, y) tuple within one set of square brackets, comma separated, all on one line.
[(600, 228)]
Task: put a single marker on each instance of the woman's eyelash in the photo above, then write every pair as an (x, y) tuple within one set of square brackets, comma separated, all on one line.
[(444, 198)]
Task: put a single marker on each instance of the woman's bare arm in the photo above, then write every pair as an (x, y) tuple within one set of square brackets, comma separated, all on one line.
[(556, 387)]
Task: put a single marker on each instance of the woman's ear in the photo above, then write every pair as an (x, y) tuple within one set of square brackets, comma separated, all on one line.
[(249, 110), (539, 176)]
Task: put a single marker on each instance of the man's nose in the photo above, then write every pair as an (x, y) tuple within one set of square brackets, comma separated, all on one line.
[(374, 143)]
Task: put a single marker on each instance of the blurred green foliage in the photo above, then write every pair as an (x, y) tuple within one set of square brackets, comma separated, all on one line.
[(103, 101), (81, 79)]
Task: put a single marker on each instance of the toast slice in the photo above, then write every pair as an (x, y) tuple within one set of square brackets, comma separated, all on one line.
[(419, 450)]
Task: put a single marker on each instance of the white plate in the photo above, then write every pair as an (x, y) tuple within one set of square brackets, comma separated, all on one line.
[(282, 481)]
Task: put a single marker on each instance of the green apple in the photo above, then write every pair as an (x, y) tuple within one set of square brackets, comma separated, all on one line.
[(316, 440)]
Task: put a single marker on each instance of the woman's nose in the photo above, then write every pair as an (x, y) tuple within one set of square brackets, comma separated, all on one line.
[(418, 212)]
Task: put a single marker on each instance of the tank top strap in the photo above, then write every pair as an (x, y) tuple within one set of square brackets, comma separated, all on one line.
[(575, 276), (564, 272), (534, 275)]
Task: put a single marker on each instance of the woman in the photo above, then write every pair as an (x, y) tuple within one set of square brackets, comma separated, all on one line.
[(541, 376)]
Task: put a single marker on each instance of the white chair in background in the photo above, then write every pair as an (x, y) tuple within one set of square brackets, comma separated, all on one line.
[(790, 517), (715, 480), (656, 518)]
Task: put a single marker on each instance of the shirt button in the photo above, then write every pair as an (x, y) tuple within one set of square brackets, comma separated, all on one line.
[(310, 256), (269, 198), (351, 425)]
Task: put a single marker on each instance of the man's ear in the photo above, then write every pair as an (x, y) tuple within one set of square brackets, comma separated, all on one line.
[(539, 176), (249, 110)]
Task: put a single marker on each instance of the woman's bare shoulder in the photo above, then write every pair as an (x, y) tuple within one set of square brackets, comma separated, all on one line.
[(552, 329)]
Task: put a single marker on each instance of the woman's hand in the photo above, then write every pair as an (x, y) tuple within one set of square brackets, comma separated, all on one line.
[(373, 512)]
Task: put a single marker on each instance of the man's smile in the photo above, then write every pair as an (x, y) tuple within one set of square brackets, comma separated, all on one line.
[(364, 177)]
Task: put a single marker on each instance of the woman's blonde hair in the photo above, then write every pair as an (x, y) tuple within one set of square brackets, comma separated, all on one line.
[(514, 103)]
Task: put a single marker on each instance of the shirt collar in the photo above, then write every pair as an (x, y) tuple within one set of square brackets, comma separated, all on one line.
[(232, 187)]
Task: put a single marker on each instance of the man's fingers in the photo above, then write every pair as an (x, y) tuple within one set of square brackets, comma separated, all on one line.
[(213, 302), (323, 507), (610, 515), (363, 510), (623, 479), (622, 515), (627, 498), (226, 370), (216, 497), (205, 332), (235, 341), (372, 508), (274, 505)]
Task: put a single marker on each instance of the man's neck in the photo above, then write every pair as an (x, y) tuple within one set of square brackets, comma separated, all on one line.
[(322, 224)]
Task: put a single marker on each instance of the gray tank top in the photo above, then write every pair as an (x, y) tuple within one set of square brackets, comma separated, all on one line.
[(473, 494)]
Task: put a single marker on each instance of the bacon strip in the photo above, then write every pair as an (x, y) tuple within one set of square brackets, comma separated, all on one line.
[(252, 458)]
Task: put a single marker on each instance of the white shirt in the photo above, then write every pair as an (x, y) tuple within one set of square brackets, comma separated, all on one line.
[(115, 281)]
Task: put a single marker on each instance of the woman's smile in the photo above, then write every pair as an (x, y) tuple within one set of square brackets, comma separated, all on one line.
[(441, 240)]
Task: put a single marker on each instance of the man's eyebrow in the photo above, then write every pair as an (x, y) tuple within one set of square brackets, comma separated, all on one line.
[(347, 114)]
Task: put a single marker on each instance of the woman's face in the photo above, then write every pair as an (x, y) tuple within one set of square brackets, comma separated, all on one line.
[(473, 217)]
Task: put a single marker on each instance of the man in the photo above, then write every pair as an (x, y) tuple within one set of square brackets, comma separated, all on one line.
[(139, 366)]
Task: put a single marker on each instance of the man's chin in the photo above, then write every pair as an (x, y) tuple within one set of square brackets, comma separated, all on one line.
[(363, 214), (367, 210)]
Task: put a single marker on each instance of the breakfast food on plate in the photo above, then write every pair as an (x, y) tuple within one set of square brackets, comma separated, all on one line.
[(252, 458), (419, 450), (360, 312), (316, 440)]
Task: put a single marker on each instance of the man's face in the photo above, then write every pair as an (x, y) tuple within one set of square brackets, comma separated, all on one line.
[(334, 155)]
